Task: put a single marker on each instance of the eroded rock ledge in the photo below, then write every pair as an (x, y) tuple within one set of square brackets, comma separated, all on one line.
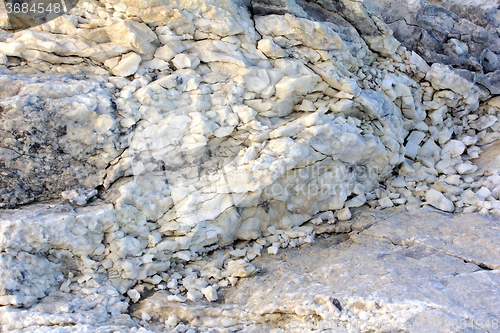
[(175, 129)]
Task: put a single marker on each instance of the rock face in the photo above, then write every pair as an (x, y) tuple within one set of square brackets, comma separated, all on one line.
[(462, 34), (176, 128), (58, 132), (361, 15)]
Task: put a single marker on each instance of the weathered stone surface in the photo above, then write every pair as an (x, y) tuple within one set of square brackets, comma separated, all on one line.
[(133, 35), (26, 277), (206, 128), (484, 13), (409, 272), (41, 228), (360, 14), (57, 133), (461, 34)]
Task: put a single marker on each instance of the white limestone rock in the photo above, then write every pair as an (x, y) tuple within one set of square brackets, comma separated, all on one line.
[(169, 50), (182, 61), (128, 65), (483, 193), (12, 49), (344, 214), (294, 28), (46, 152), (210, 293), (79, 196), (65, 24), (385, 202), (218, 51), (26, 277), (436, 247), (133, 35), (453, 148), (466, 168), (270, 49), (157, 64), (253, 132), (495, 193), (273, 250), (439, 201), (134, 295), (42, 227), (211, 23), (442, 77)]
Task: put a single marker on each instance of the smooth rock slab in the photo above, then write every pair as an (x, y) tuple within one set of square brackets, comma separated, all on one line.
[(396, 269)]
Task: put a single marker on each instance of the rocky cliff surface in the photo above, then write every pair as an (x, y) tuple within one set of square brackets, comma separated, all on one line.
[(462, 34), (172, 129)]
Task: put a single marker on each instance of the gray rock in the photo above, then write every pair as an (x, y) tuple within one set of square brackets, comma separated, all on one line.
[(461, 34), (490, 81), (279, 7), (360, 14), (483, 13), (489, 61), (364, 16), (57, 133), (357, 46), (80, 196)]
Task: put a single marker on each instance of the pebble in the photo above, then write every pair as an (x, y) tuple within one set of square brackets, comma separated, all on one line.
[(439, 201), (385, 202), (344, 214), (466, 168), (483, 193)]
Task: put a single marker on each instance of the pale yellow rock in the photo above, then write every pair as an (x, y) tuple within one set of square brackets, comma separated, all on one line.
[(65, 24), (111, 63), (442, 77), (181, 61), (98, 35), (313, 34)]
